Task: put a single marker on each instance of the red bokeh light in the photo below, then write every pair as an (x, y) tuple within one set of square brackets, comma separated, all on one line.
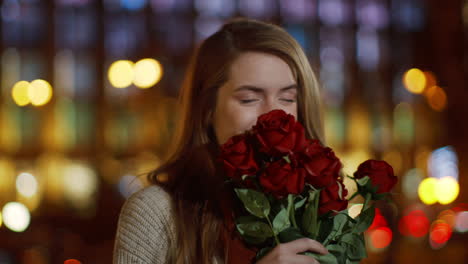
[(414, 224), (72, 261), (379, 220), (381, 237), (440, 232)]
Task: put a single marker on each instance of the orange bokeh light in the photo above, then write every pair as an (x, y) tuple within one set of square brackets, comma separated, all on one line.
[(72, 261), (381, 237)]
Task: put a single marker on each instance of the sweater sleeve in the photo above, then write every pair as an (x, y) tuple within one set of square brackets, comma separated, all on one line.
[(145, 229)]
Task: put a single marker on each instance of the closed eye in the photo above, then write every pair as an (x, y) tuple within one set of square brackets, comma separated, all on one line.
[(248, 101)]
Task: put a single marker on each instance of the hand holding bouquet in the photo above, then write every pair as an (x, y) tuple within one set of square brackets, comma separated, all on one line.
[(292, 187)]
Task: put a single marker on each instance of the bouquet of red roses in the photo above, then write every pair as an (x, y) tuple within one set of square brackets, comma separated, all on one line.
[(292, 187)]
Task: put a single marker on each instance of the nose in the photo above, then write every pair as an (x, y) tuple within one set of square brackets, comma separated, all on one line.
[(269, 105)]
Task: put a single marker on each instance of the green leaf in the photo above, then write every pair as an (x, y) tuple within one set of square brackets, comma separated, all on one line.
[(255, 229), (354, 244), (287, 159), (363, 181), (255, 202), (364, 220), (339, 222), (323, 259), (254, 240), (290, 234), (281, 221), (300, 203), (338, 251), (310, 213)]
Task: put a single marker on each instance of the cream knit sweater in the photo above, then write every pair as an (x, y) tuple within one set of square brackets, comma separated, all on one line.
[(145, 230)]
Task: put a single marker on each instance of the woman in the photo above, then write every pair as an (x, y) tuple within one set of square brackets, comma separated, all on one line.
[(245, 69)]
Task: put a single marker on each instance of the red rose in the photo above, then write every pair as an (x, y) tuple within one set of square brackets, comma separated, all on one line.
[(237, 157), (280, 179), (321, 164), (331, 200), (278, 133), (380, 174)]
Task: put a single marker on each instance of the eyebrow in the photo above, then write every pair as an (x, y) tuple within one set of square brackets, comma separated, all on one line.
[(259, 90)]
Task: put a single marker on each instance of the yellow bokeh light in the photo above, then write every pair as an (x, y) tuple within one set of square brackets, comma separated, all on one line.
[(121, 73), (16, 216), (20, 93), (415, 81), (147, 72), (427, 190), (447, 190), (39, 92), (0, 219), (355, 210), (437, 98), (26, 184)]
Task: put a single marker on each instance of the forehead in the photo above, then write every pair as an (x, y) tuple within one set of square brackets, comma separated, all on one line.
[(261, 69)]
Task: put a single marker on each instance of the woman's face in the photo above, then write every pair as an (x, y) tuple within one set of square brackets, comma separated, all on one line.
[(258, 83)]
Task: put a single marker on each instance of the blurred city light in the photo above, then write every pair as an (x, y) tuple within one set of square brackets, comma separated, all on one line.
[(355, 210), (414, 81), (121, 73), (20, 93), (447, 190), (461, 222), (39, 92), (16, 216), (147, 72), (72, 261), (128, 185), (381, 237), (80, 184), (440, 234), (427, 191), (26, 184), (436, 97), (415, 224), (443, 162)]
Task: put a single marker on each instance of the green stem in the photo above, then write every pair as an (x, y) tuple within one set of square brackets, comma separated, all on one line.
[(271, 225), (366, 201), (315, 216)]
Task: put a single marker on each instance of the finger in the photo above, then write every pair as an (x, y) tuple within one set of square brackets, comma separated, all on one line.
[(301, 259), (306, 244)]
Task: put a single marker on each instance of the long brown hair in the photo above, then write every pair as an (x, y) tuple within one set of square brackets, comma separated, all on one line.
[(188, 173)]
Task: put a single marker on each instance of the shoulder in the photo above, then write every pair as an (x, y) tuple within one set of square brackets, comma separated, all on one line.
[(145, 228)]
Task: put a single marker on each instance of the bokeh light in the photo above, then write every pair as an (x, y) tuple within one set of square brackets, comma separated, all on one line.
[(448, 216), (121, 73), (1, 221), (447, 190), (440, 232), (147, 72), (381, 237), (436, 98), (71, 261), (427, 191), (26, 184), (128, 185), (379, 220), (19, 93), (414, 81), (80, 184), (415, 224), (461, 222), (39, 92), (16, 216), (355, 210), (412, 178), (430, 79), (443, 162)]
